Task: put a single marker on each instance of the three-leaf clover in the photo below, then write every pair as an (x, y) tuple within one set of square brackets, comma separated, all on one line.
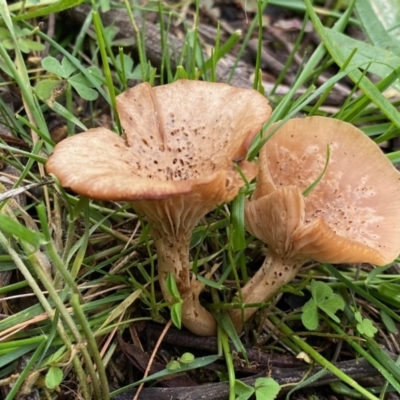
[(264, 389), (63, 72), (322, 299), (365, 325), (125, 64), (25, 44)]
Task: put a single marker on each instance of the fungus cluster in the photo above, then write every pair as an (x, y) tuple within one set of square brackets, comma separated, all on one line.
[(177, 160), (179, 157), (351, 215)]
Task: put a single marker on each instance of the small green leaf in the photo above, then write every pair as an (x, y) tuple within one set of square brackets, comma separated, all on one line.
[(320, 291), (51, 64), (81, 80), (84, 91), (67, 66), (104, 5), (243, 391), (186, 358), (367, 328), (96, 73), (309, 317), (172, 287), (49, 89), (176, 314), (331, 305), (8, 44), (63, 69), (23, 46), (22, 32), (54, 377), (266, 388), (125, 63), (173, 365), (30, 45), (358, 316), (109, 33), (324, 299)]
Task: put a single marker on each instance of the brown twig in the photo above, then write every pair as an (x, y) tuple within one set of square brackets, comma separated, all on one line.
[(153, 354)]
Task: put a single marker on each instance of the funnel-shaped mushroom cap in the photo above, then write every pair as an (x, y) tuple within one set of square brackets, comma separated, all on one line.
[(352, 214), (177, 139)]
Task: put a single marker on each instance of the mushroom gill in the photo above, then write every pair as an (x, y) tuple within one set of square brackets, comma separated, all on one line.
[(352, 215), (175, 163)]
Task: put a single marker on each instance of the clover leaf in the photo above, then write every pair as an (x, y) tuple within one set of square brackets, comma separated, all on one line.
[(63, 74), (323, 299), (365, 325), (25, 44), (264, 389)]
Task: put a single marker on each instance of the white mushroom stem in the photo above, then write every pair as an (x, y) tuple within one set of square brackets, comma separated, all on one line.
[(274, 273), (173, 258)]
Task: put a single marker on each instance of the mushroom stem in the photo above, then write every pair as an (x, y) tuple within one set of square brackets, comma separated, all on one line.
[(274, 273), (173, 257)]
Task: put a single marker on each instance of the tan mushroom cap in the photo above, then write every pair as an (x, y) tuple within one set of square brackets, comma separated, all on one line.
[(175, 163), (352, 215), (180, 137)]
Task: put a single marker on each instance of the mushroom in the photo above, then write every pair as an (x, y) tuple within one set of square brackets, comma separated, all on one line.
[(351, 215), (177, 160)]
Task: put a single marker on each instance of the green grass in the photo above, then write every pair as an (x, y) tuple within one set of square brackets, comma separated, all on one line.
[(85, 271)]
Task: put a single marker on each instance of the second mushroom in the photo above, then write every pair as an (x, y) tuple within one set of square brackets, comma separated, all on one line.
[(177, 160), (351, 213)]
